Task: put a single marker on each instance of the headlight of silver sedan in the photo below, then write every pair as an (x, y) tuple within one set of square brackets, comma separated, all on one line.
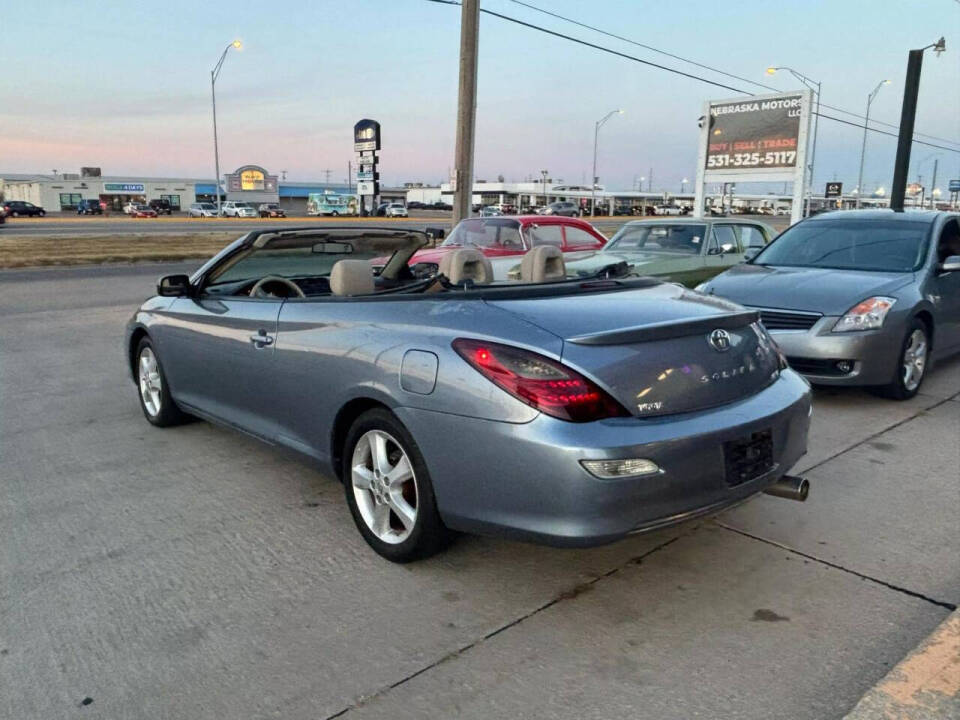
[(866, 315)]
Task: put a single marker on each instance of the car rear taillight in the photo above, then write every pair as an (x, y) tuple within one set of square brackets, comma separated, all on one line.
[(540, 382)]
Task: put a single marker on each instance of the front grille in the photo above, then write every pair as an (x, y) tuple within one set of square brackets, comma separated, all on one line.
[(748, 458), (816, 366), (788, 319)]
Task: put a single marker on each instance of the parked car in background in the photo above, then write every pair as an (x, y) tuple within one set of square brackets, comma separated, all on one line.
[(143, 211), (22, 208), (3, 215), (161, 206), (130, 207), (382, 209), (567, 209), (490, 211), (414, 205), (396, 210), (202, 210), (272, 210), (862, 297), (560, 412), (511, 237), (233, 208), (441, 206), (684, 250), (89, 207), (668, 210)]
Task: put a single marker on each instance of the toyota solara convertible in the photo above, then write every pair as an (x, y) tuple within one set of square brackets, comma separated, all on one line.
[(568, 412)]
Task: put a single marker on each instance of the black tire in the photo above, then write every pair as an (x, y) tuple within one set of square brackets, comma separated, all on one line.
[(897, 388), (15, 214), (42, 213), (169, 414), (428, 535)]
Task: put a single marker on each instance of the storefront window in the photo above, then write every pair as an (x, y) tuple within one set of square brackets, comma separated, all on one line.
[(70, 201)]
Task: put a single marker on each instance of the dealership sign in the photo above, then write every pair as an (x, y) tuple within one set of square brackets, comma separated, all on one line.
[(834, 189), (754, 134), (954, 186), (366, 141), (758, 138), (123, 187), (251, 178)]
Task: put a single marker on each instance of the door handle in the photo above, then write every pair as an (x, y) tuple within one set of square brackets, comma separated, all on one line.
[(261, 339)]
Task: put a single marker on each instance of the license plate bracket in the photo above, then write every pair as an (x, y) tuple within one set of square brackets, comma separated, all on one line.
[(748, 458)]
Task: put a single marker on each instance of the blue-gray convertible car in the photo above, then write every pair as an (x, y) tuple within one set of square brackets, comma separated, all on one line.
[(568, 412)]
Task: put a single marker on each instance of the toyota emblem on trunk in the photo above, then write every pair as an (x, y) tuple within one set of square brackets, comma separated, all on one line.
[(719, 340)]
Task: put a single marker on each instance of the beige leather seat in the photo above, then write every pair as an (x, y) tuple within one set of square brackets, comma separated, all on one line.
[(351, 277), (466, 264), (543, 264)]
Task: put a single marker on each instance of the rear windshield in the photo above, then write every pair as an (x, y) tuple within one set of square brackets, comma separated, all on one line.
[(679, 239), (486, 232), (876, 245)]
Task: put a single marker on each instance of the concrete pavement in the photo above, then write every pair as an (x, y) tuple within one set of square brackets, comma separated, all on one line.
[(194, 572)]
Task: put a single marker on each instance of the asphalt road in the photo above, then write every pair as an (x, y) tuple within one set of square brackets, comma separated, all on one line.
[(117, 225), (196, 573)]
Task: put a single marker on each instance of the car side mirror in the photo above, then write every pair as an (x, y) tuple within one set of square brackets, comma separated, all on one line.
[(173, 286), (951, 264), (751, 253), (435, 233)]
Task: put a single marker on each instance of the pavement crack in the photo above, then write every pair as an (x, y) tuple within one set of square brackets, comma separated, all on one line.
[(877, 434), (890, 586), (569, 594)]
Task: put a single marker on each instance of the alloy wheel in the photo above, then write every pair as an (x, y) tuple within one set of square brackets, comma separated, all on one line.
[(151, 386), (914, 359), (384, 486)]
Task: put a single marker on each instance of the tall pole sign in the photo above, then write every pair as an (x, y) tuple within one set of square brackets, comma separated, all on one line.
[(759, 138), (366, 144)]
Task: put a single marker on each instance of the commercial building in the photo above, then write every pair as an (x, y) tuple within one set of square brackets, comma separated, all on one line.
[(248, 183)]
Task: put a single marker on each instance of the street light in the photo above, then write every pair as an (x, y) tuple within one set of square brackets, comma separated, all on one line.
[(596, 134), (214, 74), (866, 123), (546, 200), (816, 122), (683, 186)]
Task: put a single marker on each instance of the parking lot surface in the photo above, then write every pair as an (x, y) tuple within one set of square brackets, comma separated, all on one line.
[(194, 572)]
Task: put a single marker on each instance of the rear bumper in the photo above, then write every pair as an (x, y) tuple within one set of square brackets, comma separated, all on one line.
[(814, 353), (525, 481)]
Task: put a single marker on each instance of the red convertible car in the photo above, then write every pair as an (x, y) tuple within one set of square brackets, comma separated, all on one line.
[(505, 236)]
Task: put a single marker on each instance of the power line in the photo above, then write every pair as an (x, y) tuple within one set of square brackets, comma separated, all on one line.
[(711, 68), (714, 69), (699, 78)]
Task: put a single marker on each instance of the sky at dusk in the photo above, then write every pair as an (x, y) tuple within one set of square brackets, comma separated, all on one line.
[(126, 85)]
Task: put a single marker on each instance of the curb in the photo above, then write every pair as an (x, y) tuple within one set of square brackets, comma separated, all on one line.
[(925, 685)]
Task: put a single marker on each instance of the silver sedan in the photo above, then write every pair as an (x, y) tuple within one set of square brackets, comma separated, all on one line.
[(858, 297)]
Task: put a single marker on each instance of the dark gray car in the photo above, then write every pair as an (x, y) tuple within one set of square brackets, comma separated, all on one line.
[(562, 411), (859, 297)]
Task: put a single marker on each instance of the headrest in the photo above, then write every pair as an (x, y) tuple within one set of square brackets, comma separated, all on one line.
[(351, 277), (466, 264), (543, 264)]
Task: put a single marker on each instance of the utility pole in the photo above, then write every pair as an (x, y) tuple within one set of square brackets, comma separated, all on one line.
[(546, 200), (349, 177), (907, 116), (650, 181), (466, 109), (327, 175), (933, 184)]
